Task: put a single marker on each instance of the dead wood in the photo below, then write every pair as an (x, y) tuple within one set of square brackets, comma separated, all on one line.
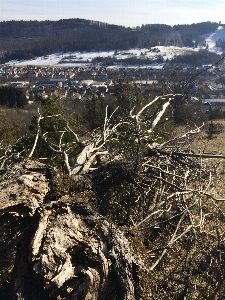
[(55, 245)]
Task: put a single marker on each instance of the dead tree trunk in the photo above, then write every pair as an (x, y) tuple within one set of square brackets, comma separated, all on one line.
[(56, 246)]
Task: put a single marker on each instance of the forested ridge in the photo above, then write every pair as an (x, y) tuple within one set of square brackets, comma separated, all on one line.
[(27, 39)]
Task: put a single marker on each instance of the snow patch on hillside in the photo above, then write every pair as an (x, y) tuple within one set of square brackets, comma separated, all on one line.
[(212, 38), (86, 58)]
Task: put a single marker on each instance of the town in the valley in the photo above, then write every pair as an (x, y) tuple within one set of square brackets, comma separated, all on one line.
[(80, 83)]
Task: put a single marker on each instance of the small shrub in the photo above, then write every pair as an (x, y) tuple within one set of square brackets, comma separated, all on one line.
[(213, 129)]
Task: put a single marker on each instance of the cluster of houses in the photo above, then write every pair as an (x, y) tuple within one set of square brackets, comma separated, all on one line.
[(77, 82), (81, 82), (96, 72)]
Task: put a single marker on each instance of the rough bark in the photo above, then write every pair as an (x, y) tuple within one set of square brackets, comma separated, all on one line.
[(62, 248)]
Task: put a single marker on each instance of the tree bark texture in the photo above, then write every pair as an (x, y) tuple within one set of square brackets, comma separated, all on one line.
[(56, 246)]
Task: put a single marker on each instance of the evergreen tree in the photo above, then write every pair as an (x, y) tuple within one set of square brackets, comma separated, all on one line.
[(127, 96), (12, 97), (95, 112), (53, 134)]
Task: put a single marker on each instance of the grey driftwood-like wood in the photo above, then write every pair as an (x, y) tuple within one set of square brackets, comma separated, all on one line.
[(62, 248)]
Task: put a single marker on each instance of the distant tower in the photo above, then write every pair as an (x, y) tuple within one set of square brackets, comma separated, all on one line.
[(194, 42)]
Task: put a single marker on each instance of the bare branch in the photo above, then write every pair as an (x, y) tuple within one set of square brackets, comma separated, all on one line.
[(75, 136), (37, 134), (184, 136), (159, 116), (38, 131)]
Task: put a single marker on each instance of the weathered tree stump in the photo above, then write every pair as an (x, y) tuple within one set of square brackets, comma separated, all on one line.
[(55, 245)]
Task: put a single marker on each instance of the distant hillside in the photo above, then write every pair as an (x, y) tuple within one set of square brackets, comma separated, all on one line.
[(195, 32), (28, 39)]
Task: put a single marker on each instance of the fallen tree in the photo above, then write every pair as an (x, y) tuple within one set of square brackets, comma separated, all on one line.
[(135, 217), (54, 245)]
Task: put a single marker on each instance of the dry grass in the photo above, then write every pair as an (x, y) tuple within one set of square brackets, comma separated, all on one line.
[(216, 145), (200, 143)]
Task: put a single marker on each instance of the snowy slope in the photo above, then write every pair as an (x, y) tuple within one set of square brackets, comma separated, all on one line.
[(85, 58), (212, 38)]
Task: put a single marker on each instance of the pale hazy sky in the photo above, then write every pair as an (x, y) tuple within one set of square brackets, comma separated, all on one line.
[(121, 12)]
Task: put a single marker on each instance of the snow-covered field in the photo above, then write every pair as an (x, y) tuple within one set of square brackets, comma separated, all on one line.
[(86, 58)]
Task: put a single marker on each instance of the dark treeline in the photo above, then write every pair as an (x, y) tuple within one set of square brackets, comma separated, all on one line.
[(28, 39), (12, 97), (133, 60), (192, 32), (221, 43), (197, 58)]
